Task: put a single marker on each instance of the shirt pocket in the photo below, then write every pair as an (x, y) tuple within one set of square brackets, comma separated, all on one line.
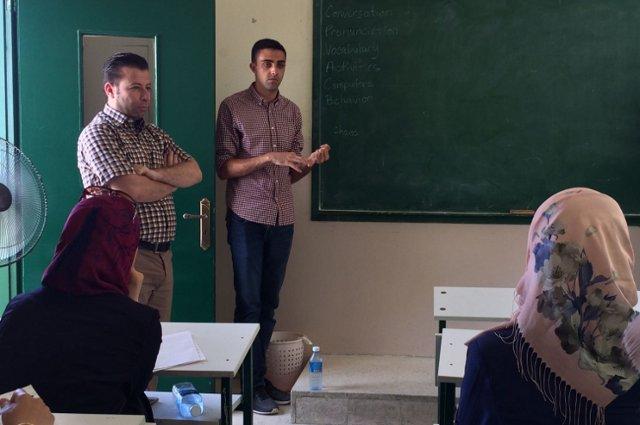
[(141, 151), (156, 154), (256, 140), (135, 153), (154, 149), (286, 136), (285, 131)]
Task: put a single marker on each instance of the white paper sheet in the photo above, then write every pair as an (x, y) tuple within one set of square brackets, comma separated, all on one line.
[(178, 349), (28, 389), (7, 396)]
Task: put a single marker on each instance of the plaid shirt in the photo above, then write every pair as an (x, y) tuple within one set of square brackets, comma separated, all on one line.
[(248, 127), (109, 147)]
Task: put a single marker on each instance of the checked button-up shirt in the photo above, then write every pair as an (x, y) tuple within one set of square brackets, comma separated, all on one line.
[(248, 127), (111, 145)]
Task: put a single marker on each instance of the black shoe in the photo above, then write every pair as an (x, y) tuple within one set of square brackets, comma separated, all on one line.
[(262, 403), (279, 396)]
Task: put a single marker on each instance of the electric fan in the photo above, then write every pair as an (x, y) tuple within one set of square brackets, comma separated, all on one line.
[(23, 204)]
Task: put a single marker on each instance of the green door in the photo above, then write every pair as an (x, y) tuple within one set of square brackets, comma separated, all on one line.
[(8, 274), (50, 36)]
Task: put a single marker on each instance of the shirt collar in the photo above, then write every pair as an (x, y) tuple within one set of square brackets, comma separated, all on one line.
[(122, 119), (260, 99)]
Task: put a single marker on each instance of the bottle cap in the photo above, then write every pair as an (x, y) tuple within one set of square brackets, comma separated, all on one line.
[(195, 410), (315, 349)]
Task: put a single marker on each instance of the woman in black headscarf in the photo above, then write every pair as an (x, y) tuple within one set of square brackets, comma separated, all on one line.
[(81, 340)]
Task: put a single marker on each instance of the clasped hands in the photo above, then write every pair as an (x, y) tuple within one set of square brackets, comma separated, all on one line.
[(297, 162)]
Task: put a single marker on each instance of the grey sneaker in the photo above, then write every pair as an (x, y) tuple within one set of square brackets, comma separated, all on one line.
[(279, 396), (262, 403)]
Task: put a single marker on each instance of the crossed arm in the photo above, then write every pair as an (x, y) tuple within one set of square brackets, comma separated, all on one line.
[(149, 185)]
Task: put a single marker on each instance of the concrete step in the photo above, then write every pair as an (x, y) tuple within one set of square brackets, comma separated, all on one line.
[(368, 390)]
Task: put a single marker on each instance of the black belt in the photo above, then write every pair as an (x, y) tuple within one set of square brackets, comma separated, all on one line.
[(155, 247)]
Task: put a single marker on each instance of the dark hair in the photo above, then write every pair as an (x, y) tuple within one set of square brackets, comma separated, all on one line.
[(111, 68), (266, 43)]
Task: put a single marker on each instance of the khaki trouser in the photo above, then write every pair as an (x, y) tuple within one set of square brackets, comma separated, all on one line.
[(157, 286)]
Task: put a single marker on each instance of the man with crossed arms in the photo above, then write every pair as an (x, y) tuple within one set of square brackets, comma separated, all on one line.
[(120, 150)]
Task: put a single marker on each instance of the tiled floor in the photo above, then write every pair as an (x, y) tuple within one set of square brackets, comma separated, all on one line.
[(283, 418)]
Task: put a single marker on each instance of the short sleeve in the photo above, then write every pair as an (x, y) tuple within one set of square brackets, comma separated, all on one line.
[(103, 154)]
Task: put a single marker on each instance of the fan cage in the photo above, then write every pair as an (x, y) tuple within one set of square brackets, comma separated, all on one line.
[(21, 225)]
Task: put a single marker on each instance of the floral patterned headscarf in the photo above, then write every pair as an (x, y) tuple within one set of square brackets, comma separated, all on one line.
[(575, 335)]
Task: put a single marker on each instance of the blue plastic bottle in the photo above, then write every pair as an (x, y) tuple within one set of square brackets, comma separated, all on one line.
[(188, 399), (315, 370)]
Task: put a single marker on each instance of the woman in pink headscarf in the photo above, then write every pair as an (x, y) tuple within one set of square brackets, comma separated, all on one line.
[(570, 354), (81, 340)]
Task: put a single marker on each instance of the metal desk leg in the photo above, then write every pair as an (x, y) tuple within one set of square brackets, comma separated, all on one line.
[(441, 325), (247, 388), (226, 402), (446, 403), (446, 392)]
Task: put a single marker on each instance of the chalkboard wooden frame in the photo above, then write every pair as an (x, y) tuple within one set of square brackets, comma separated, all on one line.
[(321, 212)]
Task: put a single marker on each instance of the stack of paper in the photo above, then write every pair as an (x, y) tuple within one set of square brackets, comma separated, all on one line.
[(178, 349)]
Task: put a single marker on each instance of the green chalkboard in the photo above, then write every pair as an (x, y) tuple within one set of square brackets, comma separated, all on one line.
[(467, 110)]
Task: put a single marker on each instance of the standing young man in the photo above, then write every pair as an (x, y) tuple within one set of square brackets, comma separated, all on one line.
[(120, 150), (258, 151)]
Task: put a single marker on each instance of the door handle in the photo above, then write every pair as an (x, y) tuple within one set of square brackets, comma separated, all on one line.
[(188, 216), (205, 223)]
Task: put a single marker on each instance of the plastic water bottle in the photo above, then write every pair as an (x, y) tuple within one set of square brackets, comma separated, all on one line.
[(188, 399), (315, 370)]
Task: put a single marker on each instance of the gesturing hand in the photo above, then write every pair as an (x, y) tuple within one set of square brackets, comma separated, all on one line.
[(320, 155), (288, 159), (24, 408)]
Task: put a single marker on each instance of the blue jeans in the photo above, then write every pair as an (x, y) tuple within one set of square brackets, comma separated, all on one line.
[(259, 253)]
